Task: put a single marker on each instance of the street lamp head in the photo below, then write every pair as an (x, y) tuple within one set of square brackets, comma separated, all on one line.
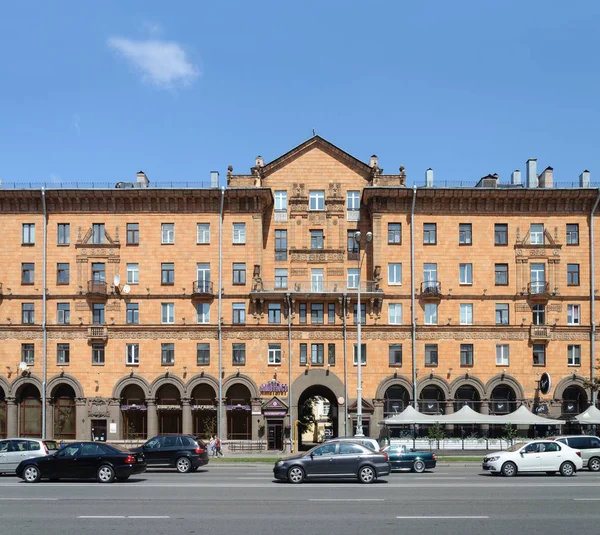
[(357, 236), (369, 236)]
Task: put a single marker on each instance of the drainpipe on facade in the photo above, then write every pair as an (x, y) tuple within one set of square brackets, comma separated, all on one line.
[(412, 299), (345, 368), (593, 301), (219, 320), (44, 331), (291, 379)]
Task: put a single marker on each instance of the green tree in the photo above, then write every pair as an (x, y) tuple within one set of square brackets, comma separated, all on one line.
[(436, 432), (509, 433), (307, 419)]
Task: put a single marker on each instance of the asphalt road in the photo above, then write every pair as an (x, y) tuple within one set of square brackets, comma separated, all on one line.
[(230, 499)]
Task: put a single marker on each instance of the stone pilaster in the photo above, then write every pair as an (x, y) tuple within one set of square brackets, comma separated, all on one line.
[(186, 416), (81, 419), (152, 416), (449, 409), (256, 408), (377, 417), (12, 423), (485, 409), (49, 419)]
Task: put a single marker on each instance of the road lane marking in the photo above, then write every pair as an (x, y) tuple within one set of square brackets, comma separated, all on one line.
[(120, 516), (586, 499), (30, 499), (441, 517), (146, 516), (99, 516), (346, 499)]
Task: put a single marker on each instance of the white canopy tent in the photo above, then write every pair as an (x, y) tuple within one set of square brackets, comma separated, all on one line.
[(465, 416), (410, 416), (523, 416), (590, 416)]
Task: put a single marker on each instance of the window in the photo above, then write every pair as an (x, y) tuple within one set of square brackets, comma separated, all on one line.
[(572, 274), (431, 355), (363, 354), (62, 354), (98, 233), (97, 354), (133, 273), (28, 234), (274, 353), (133, 233), (466, 314), (203, 233), (574, 355), (167, 313), (363, 314), (316, 239), (167, 354), (331, 313), (63, 234), (502, 355), (352, 245), (539, 314), (239, 233), (63, 313), (395, 314), (572, 234), (133, 354), (536, 234), (466, 273), (465, 234), (167, 233), (573, 314), (431, 310), (502, 314), (394, 273), (281, 245), (28, 354), (501, 271), (395, 233), (352, 279), (167, 273), (317, 313), (238, 354), (317, 200), (317, 354), (98, 272), (302, 354), (466, 355), (27, 273), (62, 273), (274, 313), (98, 314), (239, 313), (239, 273), (203, 278), (28, 313), (429, 233), (281, 201), (539, 355), (281, 278), (316, 280), (133, 317), (302, 310), (203, 312), (395, 352), (353, 200), (203, 354), (500, 234)]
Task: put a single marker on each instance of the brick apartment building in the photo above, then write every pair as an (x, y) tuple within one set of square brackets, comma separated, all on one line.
[(500, 278)]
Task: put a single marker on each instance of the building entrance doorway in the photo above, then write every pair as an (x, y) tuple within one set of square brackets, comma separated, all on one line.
[(318, 415), (274, 434)]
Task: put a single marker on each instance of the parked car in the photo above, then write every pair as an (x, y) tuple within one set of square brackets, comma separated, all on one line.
[(589, 447), (365, 441), (336, 459), (184, 452), (537, 456), (403, 457), (15, 450), (84, 460)]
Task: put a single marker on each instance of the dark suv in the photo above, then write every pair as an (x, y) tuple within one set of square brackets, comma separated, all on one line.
[(186, 453)]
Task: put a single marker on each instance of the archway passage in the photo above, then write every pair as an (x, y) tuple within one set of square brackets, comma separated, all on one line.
[(318, 413), (30, 411), (431, 400), (503, 400), (239, 412), (168, 404), (574, 401), (2, 413), (64, 412), (133, 413), (467, 395), (204, 410)]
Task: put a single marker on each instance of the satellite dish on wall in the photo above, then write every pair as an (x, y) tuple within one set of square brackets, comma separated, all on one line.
[(126, 289), (117, 280), (23, 366)]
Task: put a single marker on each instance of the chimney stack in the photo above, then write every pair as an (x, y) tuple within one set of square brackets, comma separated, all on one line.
[(260, 162), (532, 178), (142, 179), (373, 162), (584, 179), (429, 178), (214, 179), (546, 178), (515, 178)]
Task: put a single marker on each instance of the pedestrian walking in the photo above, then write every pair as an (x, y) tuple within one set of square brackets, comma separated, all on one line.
[(211, 446), (218, 447)]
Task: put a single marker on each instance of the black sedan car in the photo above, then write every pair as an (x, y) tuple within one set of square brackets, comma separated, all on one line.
[(84, 460), (402, 457), (334, 460)]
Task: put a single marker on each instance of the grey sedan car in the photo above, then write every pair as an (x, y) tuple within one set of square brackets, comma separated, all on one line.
[(334, 460)]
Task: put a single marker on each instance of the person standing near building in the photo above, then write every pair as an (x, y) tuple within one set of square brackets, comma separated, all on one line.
[(218, 451), (211, 446)]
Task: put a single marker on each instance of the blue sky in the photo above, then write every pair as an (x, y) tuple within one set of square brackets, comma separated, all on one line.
[(98, 92)]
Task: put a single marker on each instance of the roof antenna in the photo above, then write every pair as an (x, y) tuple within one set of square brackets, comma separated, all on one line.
[(314, 132)]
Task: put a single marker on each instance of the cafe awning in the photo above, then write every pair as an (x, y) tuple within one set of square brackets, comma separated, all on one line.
[(409, 416), (590, 416)]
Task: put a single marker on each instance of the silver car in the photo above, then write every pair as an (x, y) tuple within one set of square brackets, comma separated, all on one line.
[(589, 447), (15, 450), (365, 441)]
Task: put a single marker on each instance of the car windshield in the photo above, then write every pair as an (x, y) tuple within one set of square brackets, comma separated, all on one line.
[(51, 445), (517, 446)]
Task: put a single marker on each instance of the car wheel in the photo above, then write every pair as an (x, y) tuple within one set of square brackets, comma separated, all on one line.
[(366, 474), (31, 474), (183, 465), (418, 466), (105, 474), (567, 469), (594, 464), (124, 478), (295, 474), (509, 469)]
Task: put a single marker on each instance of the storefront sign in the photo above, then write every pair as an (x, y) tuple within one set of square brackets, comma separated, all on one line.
[(168, 407), (269, 414), (273, 387), (134, 408), (542, 408), (545, 383), (238, 407), (204, 408)]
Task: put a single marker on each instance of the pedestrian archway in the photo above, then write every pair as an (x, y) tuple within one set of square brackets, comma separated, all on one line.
[(134, 412), (318, 413), (431, 400), (239, 412), (503, 400), (65, 424), (204, 410), (395, 400), (168, 405)]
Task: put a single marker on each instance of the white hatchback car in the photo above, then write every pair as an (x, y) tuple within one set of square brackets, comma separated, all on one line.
[(537, 456)]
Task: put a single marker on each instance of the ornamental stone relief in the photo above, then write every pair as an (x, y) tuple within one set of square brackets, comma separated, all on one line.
[(317, 257), (255, 334), (316, 218), (472, 335), (335, 272)]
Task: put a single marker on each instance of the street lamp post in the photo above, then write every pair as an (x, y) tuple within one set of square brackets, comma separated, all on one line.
[(359, 426)]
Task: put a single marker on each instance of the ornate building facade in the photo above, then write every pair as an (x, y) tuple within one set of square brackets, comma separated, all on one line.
[(139, 310)]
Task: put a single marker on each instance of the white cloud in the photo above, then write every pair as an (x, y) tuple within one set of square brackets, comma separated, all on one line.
[(162, 63)]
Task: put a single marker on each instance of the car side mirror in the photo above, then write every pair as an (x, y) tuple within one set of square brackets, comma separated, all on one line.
[(312, 456), (522, 453)]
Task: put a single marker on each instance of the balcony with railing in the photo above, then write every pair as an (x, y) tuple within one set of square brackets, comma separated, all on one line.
[(97, 288), (352, 215), (281, 216), (538, 291), (202, 288), (97, 333), (315, 287), (353, 255), (431, 290), (539, 333)]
